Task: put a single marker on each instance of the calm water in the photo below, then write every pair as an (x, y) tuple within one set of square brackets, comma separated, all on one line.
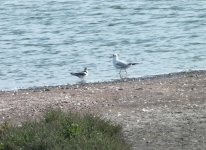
[(42, 41)]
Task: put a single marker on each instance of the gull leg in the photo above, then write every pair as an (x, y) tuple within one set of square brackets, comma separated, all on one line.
[(125, 73), (82, 81), (120, 75)]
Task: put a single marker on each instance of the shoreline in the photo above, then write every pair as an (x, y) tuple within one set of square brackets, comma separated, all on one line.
[(114, 81), (156, 112)]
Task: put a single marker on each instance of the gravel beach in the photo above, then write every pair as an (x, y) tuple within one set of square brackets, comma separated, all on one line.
[(157, 112)]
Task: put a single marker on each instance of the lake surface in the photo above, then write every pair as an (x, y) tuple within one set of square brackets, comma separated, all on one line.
[(42, 41)]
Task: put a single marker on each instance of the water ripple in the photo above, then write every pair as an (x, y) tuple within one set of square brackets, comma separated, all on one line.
[(41, 42)]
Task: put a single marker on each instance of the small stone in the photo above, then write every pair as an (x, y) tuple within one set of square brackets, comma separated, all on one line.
[(139, 89), (65, 101), (46, 89), (119, 114)]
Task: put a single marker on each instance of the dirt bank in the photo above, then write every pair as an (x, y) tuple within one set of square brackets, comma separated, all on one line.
[(159, 112)]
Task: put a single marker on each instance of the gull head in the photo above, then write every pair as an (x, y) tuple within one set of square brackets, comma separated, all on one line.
[(85, 69), (115, 56)]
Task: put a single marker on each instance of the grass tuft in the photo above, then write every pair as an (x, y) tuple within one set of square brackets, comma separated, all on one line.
[(61, 131)]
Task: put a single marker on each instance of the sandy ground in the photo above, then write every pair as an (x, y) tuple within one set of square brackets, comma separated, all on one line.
[(160, 112)]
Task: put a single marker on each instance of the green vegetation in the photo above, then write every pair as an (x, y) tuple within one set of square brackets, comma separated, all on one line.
[(59, 131)]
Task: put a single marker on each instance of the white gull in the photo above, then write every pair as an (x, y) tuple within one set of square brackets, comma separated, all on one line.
[(121, 65)]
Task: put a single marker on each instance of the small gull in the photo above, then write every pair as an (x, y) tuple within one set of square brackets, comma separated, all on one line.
[(81, 74), (121, 65)]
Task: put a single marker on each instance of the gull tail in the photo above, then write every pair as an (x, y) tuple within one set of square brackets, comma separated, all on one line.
[(132, 64)]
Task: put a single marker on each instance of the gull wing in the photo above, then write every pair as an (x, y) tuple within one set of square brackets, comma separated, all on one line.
[(121, 64), (79, 74)]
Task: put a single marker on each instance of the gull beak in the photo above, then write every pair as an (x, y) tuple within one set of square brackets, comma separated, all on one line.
[(111, 56)]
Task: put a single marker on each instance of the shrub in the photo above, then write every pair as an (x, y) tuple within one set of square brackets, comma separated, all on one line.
[(59, 131)]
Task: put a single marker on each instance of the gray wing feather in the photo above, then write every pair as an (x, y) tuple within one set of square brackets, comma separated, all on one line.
[(79, 74), (121, 64)]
